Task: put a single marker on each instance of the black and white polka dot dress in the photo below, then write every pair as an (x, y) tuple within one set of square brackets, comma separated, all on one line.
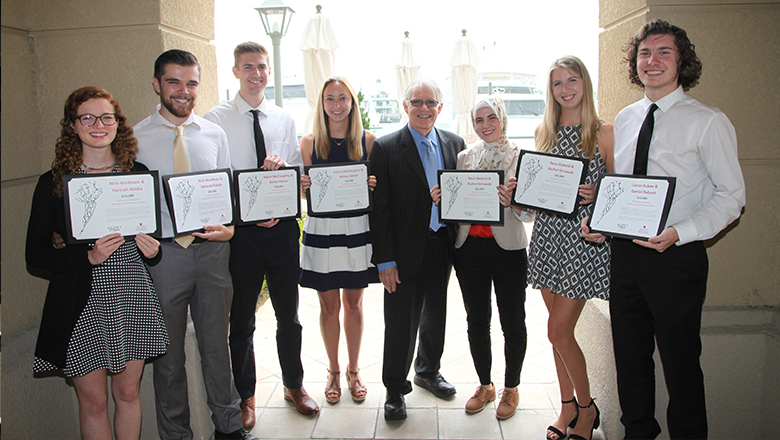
[(121, 322), (559, 258)]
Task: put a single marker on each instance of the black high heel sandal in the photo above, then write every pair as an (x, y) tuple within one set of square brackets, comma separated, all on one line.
[(596, 421), (573, 422)]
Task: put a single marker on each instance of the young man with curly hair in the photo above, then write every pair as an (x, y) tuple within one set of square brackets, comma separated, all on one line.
[(658, 286)]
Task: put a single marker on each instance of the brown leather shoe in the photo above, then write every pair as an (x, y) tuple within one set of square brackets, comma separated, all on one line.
[(480, 398), (508, 405), (303, 403), (248, 412)]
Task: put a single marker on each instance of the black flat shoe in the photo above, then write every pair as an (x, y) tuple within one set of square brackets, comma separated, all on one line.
[(395, 406), (435, 384), (573, 422), (596, 421), (241, 434)]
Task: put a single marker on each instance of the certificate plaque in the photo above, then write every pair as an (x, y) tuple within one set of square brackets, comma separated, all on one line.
[(338, 189), (262, 195), (100, 204), (632, 207), (199, 198), (471, 196), (549, 182)]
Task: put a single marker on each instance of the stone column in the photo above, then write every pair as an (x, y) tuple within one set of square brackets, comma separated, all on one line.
[(738, 43), (50, 49)]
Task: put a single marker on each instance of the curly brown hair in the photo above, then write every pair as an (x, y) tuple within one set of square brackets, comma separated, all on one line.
[(68, 151), (688, 64)]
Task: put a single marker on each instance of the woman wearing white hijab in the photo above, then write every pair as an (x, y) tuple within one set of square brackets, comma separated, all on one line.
[(492, 254)]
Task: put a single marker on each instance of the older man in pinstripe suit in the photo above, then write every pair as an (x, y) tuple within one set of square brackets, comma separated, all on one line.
[(412, 250)]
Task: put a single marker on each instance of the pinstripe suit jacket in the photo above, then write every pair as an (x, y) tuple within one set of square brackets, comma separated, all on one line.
[(402, 201)]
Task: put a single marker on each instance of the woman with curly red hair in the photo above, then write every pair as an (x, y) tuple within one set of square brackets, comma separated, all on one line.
[(101, 316)]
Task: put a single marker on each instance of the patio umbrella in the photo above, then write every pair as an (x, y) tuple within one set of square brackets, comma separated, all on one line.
[(319, 45), (464, 62), (407, 69)]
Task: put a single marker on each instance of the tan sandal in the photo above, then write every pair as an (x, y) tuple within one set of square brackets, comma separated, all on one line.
[(356, 388), (333, 394)]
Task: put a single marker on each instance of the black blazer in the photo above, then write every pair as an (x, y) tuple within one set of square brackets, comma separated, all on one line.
[(402, 201)]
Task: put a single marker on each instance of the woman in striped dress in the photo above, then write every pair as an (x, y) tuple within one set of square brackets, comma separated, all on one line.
[(336, 250)]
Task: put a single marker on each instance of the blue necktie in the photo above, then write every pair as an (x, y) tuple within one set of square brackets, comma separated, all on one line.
[(431, 165)]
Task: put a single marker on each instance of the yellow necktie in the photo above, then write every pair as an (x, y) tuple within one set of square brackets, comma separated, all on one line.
[(181, 161), (181, 164)]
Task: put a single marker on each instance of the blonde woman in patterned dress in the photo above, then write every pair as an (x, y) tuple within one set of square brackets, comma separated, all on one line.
[(568, 269), (101, 316)]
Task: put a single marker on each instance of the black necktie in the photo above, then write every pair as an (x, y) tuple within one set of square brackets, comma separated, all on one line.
[(643, 142), (259, 140)]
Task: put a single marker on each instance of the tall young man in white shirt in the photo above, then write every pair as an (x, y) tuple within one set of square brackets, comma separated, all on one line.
[(194, 277), (659, 285), (267, 250)]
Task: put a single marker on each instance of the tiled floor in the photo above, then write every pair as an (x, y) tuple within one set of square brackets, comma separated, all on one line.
[(428, 416)]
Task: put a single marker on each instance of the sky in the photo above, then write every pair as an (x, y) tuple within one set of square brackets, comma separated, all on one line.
[(511, 35)]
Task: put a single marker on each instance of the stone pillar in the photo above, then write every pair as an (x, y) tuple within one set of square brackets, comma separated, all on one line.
[(50, 49), (738, 43), (738, 47)]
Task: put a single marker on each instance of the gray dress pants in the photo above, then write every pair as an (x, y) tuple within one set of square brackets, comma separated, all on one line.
[(196, 278)]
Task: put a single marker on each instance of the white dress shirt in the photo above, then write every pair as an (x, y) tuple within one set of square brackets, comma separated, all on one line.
[(207, 148), (697, 144), (236, 119)]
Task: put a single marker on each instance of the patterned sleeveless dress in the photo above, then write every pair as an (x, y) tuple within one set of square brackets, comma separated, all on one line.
[(559, 258)]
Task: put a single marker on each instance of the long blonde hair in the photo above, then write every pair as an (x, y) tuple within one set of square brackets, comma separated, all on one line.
[(547, 137), (321, 130)]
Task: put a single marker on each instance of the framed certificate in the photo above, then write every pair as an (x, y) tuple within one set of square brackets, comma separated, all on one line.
[(632, 207), (471, 196), (262, 195), (338, 189), (100, 204), (199, 198), (549, 182)]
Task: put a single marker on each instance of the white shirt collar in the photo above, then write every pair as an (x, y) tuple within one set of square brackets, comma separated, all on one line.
[(158, 118), (667, 101), (243, 107)]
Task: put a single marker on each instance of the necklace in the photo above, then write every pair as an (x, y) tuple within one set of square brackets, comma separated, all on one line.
[(339, 143), (85, 166)]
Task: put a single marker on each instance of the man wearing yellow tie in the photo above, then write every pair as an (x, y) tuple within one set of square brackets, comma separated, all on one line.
[(193, 273)]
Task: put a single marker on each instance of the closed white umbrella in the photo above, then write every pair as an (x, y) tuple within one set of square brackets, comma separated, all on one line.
[(407, 69), (464, 62), (319, 45)]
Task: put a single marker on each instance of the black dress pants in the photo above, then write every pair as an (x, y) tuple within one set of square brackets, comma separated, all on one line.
[(258, 253), (419, 302), (658, 298), (479, 263)]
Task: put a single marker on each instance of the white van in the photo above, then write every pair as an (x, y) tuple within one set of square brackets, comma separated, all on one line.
[(524, 106)]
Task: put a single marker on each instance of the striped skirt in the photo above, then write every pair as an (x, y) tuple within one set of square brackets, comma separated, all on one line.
[(336, 254)]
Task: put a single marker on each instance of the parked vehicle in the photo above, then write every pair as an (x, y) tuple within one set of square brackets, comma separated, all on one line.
[(524, 105), (295, 102)]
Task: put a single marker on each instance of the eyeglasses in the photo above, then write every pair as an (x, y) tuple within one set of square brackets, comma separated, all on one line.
[(419, 102), (88, 120)]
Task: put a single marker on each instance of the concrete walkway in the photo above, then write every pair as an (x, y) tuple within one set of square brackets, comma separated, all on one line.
[(429, 417)]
